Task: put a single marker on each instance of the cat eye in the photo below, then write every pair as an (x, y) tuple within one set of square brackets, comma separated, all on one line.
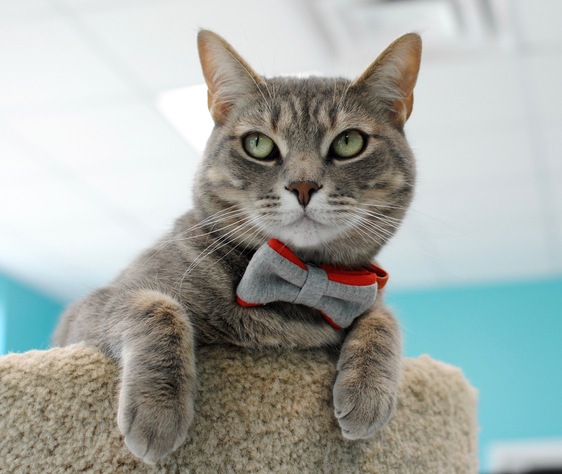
[(348, 144), (259, 146)]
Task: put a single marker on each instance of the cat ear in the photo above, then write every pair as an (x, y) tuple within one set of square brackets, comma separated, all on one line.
[(392, 76), (227, 75)]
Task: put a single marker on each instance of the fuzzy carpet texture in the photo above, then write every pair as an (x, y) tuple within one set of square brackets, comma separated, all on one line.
[(267, 412)]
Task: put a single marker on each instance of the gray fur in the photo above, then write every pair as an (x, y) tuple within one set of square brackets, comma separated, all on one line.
[(181, 293)]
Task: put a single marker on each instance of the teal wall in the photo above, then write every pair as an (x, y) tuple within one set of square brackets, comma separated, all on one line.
[(3, 317), (27, 317), (506, 338), (508, 341)]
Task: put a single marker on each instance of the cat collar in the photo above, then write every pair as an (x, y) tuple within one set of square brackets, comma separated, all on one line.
[(275, 273)]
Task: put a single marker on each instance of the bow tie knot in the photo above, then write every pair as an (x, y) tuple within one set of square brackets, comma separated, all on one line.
[(275, 273), (314, 287)]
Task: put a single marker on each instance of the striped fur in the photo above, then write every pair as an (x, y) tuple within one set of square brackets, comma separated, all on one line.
[(181, 293)]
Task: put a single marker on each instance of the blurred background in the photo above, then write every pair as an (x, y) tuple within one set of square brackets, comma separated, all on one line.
[(103, 117)]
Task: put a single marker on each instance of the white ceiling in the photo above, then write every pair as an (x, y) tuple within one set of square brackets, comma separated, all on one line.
[(91, 172)]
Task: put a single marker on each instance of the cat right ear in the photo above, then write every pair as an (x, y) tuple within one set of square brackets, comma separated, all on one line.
[(227, 75), (391, 78)]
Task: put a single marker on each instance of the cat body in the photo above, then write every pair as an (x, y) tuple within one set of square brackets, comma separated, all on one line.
[(320, 164)]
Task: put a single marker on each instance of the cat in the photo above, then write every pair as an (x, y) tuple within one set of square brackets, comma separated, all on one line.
[(320, 164)]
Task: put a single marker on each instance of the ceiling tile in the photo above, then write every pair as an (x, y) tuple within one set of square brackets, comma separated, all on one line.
[(481, 88), (49, 64), (472, 155), (107, 135), (554, 190), (500, 256), (157, 41), (90, 173), (549, 168), (539, 20), (44, 214), (23, 10), (72, 263), (552, 136), (89, 5), (30, 195), (131, 160), (460, 224), (26, 261), (15, 163), (482, 254), (41, 202), (516, 201), (64, 231), (544, 75), (408, 261), (155, 193)]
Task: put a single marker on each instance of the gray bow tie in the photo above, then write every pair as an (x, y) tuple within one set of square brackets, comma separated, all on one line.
[(275, 273)]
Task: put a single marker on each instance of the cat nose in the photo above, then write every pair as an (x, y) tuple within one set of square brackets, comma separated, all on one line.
[(303, 190)]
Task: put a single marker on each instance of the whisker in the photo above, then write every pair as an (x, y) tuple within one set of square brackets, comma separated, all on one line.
[(218, 242), (222, 241), (212, 230), (217, 216), (367, 234), (384, 205), (413, 209), (370, 225), (375, 222), (379, 216), (212, 219), (253, 234)]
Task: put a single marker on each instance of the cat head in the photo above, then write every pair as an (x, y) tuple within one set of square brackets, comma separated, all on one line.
[(321, 164)]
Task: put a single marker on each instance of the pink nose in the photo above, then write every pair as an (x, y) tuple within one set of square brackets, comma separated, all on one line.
[(303, 190)]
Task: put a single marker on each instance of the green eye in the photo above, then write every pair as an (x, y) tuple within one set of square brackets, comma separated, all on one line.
[(348, 144), (258, 145)]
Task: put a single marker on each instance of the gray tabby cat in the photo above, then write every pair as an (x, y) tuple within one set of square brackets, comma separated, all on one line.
[(320, 164)]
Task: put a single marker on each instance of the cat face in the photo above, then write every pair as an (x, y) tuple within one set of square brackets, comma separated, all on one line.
[(314, 162)]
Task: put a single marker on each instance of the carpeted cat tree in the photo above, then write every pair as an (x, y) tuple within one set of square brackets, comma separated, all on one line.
[(269, 412)]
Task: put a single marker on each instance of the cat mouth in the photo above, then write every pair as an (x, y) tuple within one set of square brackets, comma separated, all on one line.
[(307, 221), (305, 231), (303, 219)]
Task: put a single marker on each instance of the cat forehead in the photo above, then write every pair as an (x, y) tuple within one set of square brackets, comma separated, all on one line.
[(307, 89), (312, 104)]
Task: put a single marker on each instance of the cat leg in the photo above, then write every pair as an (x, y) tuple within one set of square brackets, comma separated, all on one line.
[(158, 378), (368, 374)]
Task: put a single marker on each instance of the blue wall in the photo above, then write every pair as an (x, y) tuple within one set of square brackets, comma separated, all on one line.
[(27, 317), (506, 338), (508, 341), (3, 316)]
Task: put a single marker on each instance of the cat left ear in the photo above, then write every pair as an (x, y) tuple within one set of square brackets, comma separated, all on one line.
[(227, 75), (392, 76)]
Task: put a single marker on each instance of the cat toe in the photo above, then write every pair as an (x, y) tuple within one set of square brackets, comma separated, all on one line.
[(361, 409), (152, 431)]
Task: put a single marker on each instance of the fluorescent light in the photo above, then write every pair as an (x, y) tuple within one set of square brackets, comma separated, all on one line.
[(186, 110)]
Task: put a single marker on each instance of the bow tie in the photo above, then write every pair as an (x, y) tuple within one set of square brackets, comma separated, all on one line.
[(275, 273)]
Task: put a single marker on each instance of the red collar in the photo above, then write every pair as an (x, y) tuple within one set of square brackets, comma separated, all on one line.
[(364, 277)]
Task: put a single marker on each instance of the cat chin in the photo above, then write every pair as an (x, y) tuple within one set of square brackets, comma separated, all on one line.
[(309, 235), (297, 242)]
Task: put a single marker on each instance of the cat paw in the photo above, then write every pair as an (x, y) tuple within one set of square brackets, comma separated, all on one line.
[(362, 407), (153, 428)]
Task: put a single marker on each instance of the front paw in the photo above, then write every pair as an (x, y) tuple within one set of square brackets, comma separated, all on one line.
[(154, 424), (362, 405)]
